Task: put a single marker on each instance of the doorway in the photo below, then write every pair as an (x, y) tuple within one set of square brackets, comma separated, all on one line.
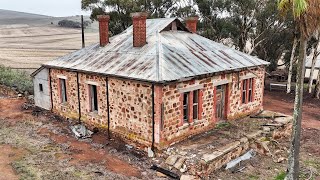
[(220, 99)]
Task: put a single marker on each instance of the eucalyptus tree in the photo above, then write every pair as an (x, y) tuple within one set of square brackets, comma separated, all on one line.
[(307, 19), (120, 10)]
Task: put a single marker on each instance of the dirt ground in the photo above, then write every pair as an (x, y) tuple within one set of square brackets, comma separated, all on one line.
[(43, 147)]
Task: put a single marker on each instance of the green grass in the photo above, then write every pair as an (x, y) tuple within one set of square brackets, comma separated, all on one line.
[(223, 125), (25, 170), (17, 79), (280, 176), (253, 177)]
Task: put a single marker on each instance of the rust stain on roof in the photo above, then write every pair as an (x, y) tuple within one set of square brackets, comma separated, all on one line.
[(167, 56)]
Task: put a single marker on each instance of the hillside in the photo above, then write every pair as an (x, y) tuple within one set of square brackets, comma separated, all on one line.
[(13, 17), (28, 40), (9, 19)]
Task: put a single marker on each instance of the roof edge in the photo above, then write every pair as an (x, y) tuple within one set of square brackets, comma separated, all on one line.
[(151, 81), (37, 71)]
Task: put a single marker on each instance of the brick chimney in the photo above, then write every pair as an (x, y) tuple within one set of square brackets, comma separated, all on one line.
[(139, 28), (191, 23), (104, 29)]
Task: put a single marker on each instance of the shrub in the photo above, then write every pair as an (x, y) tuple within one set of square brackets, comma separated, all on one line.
[(73, 24), (16, 79)]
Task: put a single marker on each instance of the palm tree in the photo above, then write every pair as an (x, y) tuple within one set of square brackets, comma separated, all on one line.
[(307, 17)]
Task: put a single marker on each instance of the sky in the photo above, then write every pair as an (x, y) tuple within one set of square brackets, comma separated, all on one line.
[(56, 8)]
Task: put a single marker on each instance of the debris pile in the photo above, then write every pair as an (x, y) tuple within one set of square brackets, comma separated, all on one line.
[(80, 131)]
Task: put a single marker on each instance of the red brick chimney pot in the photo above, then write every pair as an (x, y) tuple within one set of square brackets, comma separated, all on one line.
[(104, 29), (191, 23), (139, 28)]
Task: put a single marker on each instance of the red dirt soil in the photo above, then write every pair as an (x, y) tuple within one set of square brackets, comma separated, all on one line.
[(7, 156), (82, 152), (281, 102)]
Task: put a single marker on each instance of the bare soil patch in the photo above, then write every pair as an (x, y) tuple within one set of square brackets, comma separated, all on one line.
[(53, 152), (7, 156), (282, 102)]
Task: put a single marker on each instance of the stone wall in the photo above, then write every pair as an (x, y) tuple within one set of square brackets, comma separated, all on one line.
[(131, 104), (70, 109), (131, 110), (238, 110), (173, 128), (99, 118)]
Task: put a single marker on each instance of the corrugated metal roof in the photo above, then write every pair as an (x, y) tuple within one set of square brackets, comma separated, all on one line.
[(167, 56)]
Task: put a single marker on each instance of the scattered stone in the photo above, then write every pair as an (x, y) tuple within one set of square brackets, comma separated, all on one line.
[(159, 174), (183, 153), (281, 159), (184, 168), (129, 146), (188, 177), (171, 160), (283, 120), (20, 95), (180, 162), (244, 140), (113, 151), (254, 135), (266, 129), (150, 153)]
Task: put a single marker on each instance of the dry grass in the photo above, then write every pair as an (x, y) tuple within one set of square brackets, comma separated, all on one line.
[(28, 47)]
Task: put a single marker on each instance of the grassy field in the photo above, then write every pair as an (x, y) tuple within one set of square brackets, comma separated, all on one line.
[(27, 46)]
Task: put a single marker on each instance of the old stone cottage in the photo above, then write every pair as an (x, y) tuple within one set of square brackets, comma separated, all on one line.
[(156, 83)]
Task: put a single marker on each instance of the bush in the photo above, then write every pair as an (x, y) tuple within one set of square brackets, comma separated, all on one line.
[(73, 24), (16, 79)]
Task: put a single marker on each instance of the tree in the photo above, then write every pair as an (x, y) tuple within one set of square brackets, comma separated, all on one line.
[(306, 14), (317, 88), (251, 26), (294, 47), (315, 55), (120, 10)]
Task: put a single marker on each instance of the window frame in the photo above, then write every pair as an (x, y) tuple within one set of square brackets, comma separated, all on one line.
[(185, 107), (247, 94), (40, 87), (93, 98), (195, 103), (63, 90), (191, 103)]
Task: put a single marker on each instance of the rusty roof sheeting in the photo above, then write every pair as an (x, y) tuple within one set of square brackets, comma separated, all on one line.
[(167, 56)]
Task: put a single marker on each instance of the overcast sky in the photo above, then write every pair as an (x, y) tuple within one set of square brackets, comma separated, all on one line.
[(45, 7)]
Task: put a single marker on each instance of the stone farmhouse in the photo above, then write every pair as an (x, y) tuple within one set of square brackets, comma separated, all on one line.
[(155, 84)]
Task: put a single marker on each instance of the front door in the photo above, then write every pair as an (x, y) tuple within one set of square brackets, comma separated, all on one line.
[(220, 102)]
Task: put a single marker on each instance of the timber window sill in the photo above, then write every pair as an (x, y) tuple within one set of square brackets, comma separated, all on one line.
[(94, 113), (64, 104)]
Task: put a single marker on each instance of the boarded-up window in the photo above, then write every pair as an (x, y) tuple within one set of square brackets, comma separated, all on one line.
[(63, 90), (185, 107), (250, 99), (195, 104), (93, 97), (244, 91)]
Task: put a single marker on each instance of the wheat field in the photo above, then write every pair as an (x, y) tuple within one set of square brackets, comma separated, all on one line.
[(27, 47)]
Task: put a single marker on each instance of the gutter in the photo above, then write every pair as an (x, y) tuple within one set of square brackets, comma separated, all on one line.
[(50, 84), (79, 102), (161, 81), (108, 106)]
